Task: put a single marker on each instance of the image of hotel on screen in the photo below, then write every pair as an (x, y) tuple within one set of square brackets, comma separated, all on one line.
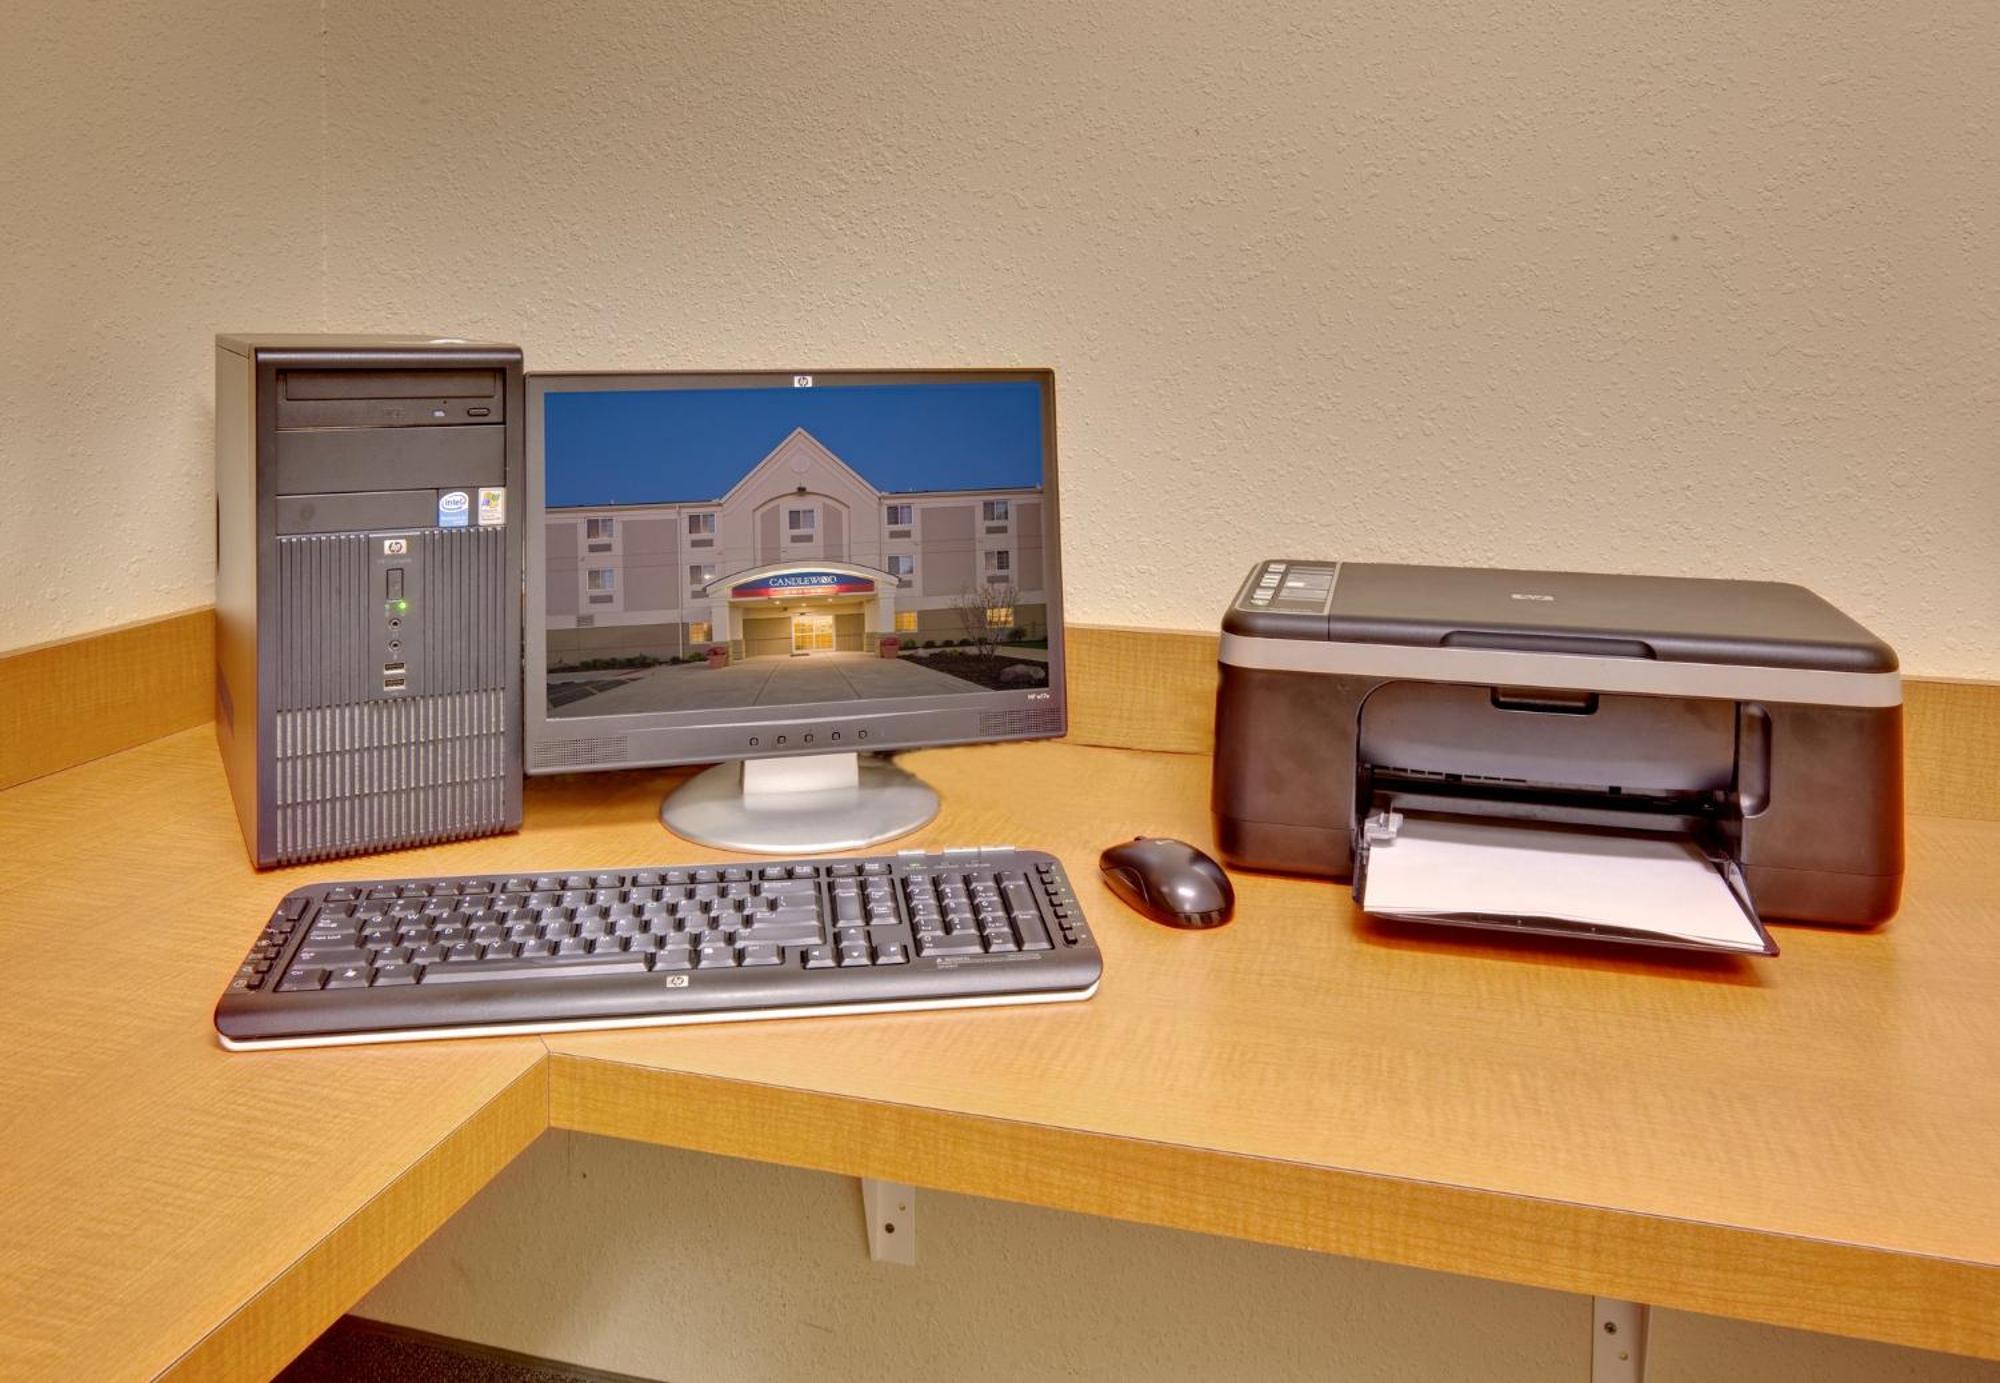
[(713, 548)]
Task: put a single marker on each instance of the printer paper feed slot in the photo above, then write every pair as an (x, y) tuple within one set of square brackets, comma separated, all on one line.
[(1643, 887)]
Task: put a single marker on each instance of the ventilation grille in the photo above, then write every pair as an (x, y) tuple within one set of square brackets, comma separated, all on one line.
[(322, 621), (394, 772), (1035, 720), (462, 646), (604, 749)]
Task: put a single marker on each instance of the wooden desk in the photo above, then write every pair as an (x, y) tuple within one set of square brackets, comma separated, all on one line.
[(1811, 1141)]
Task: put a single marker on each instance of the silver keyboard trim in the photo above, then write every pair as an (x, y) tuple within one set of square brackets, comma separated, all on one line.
[(666, 1020)]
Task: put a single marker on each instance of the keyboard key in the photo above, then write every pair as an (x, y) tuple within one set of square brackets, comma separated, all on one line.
[(349, 977), (717, 955), (854, 953), (955, 944), (511, 970), (761, 953), (798, 932), (891, 953), (820, 958), (391, 975), (327, 957), (302, 977)]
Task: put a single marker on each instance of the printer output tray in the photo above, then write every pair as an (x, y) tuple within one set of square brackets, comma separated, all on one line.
[(1645, 888)]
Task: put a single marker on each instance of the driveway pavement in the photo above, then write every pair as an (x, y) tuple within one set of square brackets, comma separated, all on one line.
[(752, 682)]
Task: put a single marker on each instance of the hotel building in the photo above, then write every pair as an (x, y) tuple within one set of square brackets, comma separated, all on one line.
[(801, 556)]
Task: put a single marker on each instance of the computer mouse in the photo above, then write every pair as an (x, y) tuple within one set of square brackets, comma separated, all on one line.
[(1169, 881)]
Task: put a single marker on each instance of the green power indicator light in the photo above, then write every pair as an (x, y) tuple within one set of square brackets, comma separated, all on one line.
[(398, 606)]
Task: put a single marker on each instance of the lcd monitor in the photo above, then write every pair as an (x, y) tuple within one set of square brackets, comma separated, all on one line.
[(790, 575)]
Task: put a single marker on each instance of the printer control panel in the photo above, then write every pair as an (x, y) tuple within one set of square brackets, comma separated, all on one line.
[(1291, 588)]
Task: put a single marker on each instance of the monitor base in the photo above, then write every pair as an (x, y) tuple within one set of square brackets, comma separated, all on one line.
[(799, 806)]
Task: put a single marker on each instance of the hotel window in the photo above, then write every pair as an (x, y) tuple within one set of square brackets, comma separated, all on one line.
[(1000, 559), (1000, 617), (699, 525), (902, 565), (699, 632), (996, 511), (700, 574), (901, 515), (906, 621), (595, 529), (801, 520), (601, 579)]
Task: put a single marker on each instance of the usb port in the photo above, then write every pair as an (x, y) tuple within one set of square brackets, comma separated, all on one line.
[(395, 683), (394, 669)]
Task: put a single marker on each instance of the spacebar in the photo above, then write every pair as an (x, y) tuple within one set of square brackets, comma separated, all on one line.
[(534, 970)]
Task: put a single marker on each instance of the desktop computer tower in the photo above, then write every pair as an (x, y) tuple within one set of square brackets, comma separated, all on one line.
[(369, 492)]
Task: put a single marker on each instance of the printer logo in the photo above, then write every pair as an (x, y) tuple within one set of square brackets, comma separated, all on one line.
[(1528, 595)]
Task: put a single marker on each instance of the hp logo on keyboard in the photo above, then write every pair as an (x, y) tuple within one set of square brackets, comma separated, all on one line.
[(677, 981)]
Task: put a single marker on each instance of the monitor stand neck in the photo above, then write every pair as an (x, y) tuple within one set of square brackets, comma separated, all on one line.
[(799, 806)]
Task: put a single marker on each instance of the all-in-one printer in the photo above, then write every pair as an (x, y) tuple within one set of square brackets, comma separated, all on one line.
[(1751, 719)]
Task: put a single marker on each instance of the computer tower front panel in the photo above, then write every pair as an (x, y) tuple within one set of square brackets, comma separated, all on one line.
[(384, 630)]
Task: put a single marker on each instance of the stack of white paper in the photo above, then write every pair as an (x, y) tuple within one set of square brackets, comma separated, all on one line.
[(1462, 869)]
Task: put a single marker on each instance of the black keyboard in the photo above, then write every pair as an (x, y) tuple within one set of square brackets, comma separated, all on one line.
[(402, 959)]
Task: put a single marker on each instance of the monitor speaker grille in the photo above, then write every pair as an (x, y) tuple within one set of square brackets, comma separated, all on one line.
[(581, 753), (1033, 720)]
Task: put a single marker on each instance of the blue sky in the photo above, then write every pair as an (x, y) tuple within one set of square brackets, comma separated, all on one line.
[(651, 446)]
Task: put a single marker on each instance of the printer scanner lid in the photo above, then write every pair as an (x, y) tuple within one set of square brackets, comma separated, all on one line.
[(1672, 619)]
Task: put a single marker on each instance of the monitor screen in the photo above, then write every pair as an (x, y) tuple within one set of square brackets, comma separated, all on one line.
[(749, 565)]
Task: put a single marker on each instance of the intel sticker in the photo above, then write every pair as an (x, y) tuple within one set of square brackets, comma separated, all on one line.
[(492, 505), (454, 509)]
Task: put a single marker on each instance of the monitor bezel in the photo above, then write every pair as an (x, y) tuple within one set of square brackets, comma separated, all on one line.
[(575, 744)]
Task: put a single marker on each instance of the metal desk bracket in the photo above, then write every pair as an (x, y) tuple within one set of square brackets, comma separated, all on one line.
[(891, 1211), (1618, 1340)]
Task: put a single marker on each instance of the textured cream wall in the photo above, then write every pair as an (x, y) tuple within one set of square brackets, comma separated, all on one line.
[(159, 181), (1700, 288), (1706, 288), (701, 1269)]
